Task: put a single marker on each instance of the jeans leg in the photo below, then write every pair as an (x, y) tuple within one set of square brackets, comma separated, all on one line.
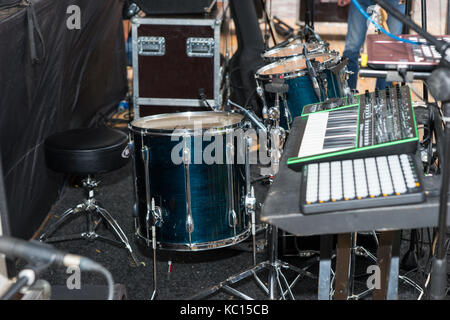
[(356, 35), (395, 26)]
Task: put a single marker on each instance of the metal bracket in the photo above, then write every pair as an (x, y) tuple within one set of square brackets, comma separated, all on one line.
[(200, 47), (151, 46), (156, 214)]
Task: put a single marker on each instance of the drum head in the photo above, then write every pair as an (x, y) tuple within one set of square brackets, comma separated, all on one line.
[(187, 121), (292, 67), (293, 49)]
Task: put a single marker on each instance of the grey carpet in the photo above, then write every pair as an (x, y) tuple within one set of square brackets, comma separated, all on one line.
[(192, 272)]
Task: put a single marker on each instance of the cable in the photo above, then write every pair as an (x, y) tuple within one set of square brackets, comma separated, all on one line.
[(110, 282), (364, 13), (433, 248), (15, 288), (90, 265)]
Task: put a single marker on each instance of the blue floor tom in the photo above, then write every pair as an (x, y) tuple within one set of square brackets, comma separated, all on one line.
[(195, 203)]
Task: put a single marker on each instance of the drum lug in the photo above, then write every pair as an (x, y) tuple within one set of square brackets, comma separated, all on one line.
[(260, 92), (232, 218), (278, 136), (187, 181), (325, 87), (189, 224)]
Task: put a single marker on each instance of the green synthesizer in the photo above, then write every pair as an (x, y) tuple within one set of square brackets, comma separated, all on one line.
[(372, 124)]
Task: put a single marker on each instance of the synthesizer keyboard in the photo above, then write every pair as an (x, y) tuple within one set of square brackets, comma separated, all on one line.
[(360, 183), (389, 54), (371, 124)]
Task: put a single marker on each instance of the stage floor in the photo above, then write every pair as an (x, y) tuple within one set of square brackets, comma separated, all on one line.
[(191, 272)]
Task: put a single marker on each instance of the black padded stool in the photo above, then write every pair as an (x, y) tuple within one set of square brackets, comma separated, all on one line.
[(88, 152)]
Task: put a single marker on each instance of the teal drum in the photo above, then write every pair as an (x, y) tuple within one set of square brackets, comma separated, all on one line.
[(190, 180), (329, 66)]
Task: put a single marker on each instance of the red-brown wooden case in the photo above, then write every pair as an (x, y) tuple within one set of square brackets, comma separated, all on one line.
[(174, 57)]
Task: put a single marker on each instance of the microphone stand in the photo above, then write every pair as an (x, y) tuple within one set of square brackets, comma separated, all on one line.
[(312, 74), (439, 84), (439, 264)]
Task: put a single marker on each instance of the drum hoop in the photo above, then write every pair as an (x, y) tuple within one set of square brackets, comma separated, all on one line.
[(320, 49), (201, 245), (285, 75), (293, 74), (184, 132)]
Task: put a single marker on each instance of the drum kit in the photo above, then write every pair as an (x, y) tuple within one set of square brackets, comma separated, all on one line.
[(186, 202)]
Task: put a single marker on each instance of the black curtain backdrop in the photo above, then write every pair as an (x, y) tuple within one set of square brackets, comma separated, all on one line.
[(82, 73)]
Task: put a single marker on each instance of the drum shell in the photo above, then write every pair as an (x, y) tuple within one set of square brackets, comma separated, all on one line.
[(301, 92), (209, 192)]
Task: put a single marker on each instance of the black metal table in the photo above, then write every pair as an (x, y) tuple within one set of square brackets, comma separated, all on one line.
[(282, 209)]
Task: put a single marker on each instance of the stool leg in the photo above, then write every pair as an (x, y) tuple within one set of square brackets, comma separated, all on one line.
[(68, 213), (118, 231)]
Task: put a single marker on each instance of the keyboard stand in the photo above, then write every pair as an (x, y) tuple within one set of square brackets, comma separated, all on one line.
[(392, 75), (282, 209)]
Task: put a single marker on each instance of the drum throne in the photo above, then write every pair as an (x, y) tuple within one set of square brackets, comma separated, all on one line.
[(87, 152)]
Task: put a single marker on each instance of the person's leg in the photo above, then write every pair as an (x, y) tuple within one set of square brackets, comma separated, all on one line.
[(356, 35), (395, 26)]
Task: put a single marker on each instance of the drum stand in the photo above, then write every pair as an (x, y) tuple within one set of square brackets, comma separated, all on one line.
[(278, 286), (153, 217), (276, 279), (90, 207), (273, 116)]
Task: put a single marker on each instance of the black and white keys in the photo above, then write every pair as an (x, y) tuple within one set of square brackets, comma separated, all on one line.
[(332, 131), (360, 183)]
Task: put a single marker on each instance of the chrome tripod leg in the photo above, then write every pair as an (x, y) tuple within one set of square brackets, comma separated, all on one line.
[(154, 262), (76, 236), (117, 230), (254, 237), (260, 283), (290, 286), (236, 293), (68, 213), (273, 252), (279, 288)]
